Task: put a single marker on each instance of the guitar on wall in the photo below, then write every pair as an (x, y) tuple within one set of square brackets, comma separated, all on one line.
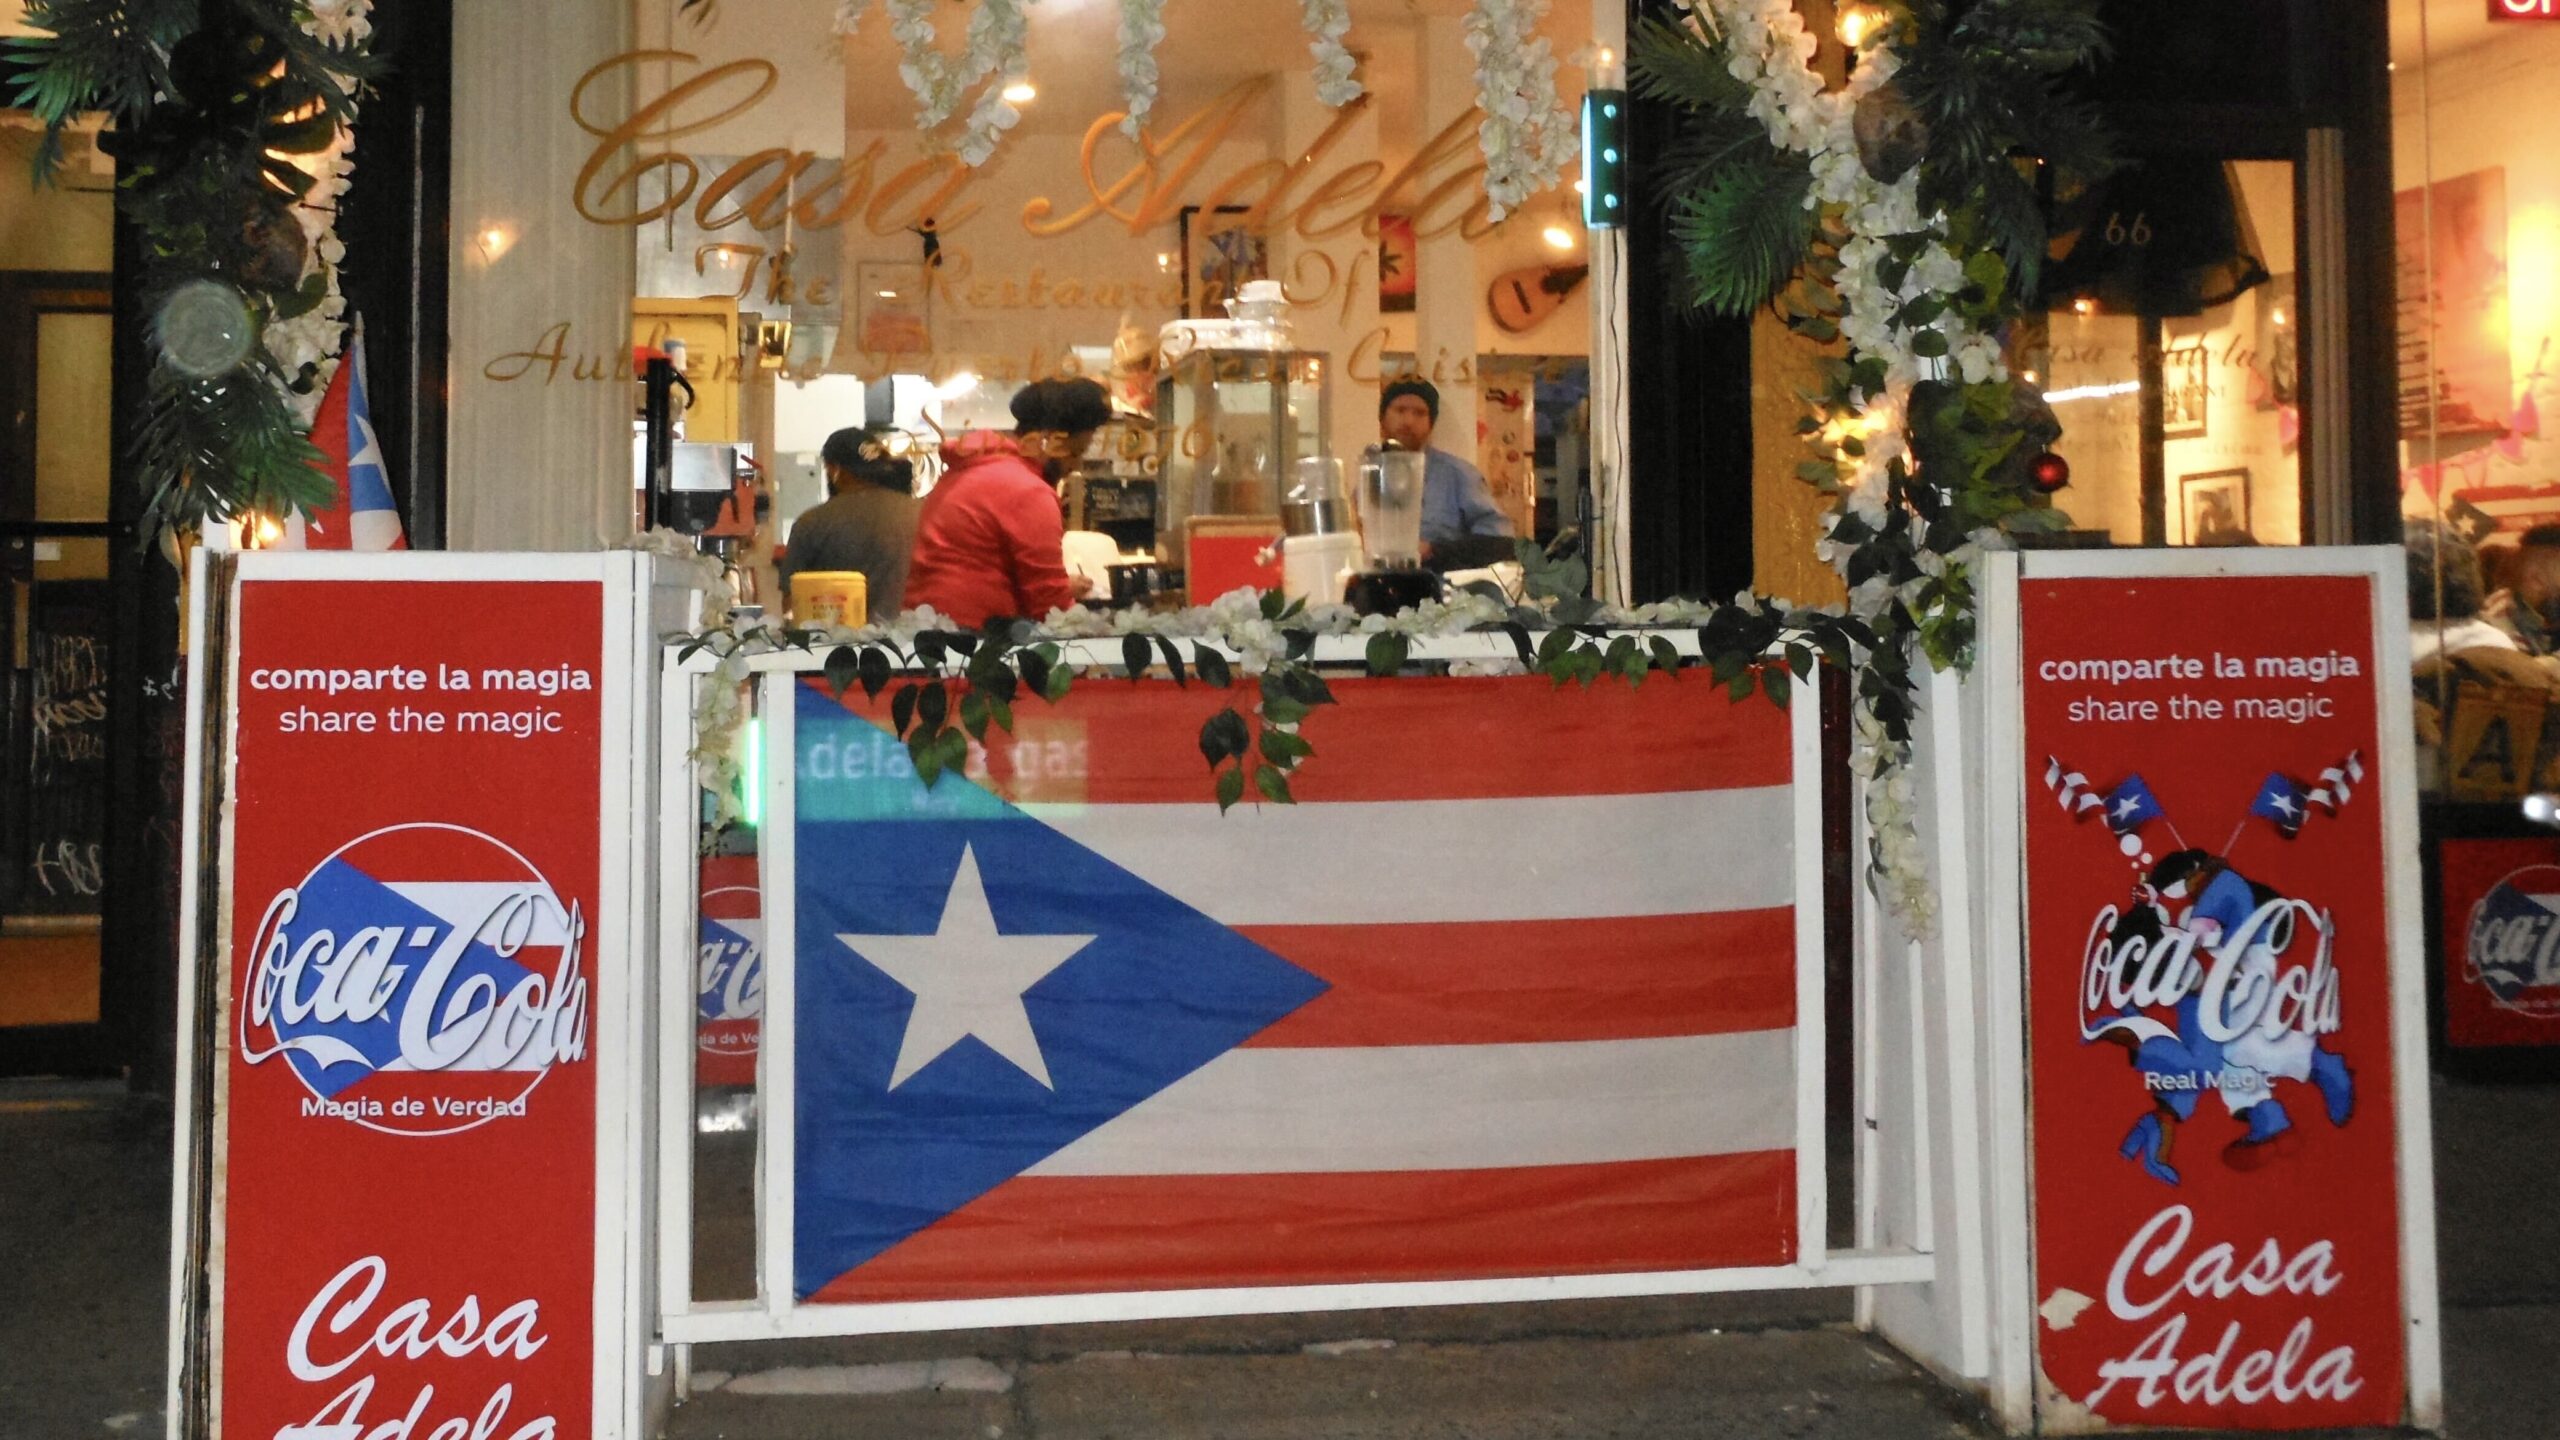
[(1522, 298)]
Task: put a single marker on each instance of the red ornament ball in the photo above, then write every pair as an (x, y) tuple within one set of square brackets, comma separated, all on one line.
[(2049, 472)]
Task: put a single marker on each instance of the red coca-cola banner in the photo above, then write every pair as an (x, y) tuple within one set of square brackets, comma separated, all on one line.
[(729, 972), (2216, 1218), (2501, 941), (408, 1216)]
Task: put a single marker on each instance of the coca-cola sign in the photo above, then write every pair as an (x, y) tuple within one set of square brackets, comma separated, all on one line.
[(418, 1006), (729, 972), (2501, 941), (420, 964), (2513, 949), (2216, 1221)]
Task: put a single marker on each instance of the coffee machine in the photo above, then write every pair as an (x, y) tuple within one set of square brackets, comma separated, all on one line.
[(1390, 500)]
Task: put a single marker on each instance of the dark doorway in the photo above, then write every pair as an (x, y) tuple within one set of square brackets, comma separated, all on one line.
[(56, 543)]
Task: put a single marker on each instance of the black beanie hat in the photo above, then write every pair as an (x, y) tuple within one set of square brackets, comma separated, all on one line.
[(1429, 393)]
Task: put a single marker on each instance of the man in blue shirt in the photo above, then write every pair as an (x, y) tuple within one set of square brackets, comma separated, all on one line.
[(1456, 502)]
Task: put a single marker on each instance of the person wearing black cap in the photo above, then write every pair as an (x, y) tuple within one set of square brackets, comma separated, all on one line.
[(1456, 502), (868, 523), (991, 538)]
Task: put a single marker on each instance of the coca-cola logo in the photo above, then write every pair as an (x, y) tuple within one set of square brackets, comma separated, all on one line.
[(729, 975), (422, 979), (2514, 943), (2239, 990)]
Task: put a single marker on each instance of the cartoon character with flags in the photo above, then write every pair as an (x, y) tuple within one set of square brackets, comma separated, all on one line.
[(2203, 941)]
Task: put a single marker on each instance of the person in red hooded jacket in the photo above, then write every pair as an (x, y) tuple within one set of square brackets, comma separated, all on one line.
[(989, 539)]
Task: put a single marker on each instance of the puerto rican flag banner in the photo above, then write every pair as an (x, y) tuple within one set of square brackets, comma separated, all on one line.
[(1511, 992), (364, 516)]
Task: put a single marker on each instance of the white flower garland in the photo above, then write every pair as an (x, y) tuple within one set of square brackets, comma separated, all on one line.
[(996, 54), (1771, 50), (1000, 42), (317, 336), (1327, 21), (1527, 136), (1141, 31)]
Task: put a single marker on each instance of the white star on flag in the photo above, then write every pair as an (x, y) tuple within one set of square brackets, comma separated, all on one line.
[(2126, 807), (967, 979), (371, 454), (2282, 802)]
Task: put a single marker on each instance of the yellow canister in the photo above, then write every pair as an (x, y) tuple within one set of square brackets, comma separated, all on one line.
[(821, 598)]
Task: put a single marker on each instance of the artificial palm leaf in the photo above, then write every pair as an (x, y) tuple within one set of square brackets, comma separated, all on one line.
[(1745, 231), (2046, 36), (1670, 61), (1706, 143)]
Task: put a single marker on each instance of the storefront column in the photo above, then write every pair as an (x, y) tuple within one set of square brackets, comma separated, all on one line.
[(1332, 279), (539, 449), (1447, 293)]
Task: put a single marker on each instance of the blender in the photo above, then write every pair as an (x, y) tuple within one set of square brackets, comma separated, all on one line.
[(1320, 545), (1390, 499)]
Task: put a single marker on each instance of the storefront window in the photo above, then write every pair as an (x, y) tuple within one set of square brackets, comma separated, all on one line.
[(753, 185), (744, 188), (2169, 356), (2477, 219)]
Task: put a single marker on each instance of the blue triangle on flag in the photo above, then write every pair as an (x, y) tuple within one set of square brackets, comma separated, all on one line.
[(1160, 991)]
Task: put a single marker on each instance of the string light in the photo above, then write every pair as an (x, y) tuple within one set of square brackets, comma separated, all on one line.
[(1858, 21), (1021, 92)]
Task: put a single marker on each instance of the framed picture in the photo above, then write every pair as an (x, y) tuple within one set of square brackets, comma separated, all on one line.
[(892, 308), (2215, 504), (1218, 256), (1399, 254), (2279, 350), (2182, 392)]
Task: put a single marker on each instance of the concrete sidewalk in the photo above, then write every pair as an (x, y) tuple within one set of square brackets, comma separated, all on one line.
[(83, 1293)]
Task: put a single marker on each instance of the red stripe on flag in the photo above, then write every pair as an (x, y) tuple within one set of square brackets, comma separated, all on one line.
[(1424, 738), (1057, 1236), (1528, 981)]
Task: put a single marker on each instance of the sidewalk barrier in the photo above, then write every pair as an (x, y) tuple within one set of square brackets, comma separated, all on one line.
[(1159, 826), (2252, 983), (411, 1149), (391, 1205)]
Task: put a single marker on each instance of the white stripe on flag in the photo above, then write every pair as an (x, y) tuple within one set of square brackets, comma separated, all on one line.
[(1455, 1107), (470, 903), (1408, 861)]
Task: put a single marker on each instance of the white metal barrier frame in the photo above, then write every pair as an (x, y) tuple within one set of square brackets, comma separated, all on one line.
[(1896, 1107)]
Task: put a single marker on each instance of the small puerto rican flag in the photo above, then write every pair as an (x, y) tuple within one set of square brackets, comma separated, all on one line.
[(2281, 800), (363, 516), (2131, 805)]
